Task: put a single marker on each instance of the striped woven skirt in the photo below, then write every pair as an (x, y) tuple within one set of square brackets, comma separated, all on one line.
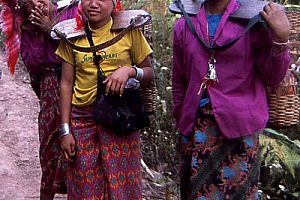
[(107, 165), (214, 168)]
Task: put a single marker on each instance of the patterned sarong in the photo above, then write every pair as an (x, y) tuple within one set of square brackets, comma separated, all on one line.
[(53, 169), (106, 166), (214, 168)]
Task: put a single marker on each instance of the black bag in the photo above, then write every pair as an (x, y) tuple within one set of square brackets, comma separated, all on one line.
[(124, 114)]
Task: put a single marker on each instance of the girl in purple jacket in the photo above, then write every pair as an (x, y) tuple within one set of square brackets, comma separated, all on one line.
[(225, 89)]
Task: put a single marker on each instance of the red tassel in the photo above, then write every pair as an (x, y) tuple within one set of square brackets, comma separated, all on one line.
[(10, 26), (79, 18), (119, 6), (12, 53)]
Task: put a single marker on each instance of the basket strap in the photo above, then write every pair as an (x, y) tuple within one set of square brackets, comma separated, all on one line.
[(251, 23), (104, 45), (97, 47)]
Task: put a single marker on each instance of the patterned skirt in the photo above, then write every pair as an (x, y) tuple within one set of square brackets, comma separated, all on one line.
[(107, 165), (52, 164), (215, 168)]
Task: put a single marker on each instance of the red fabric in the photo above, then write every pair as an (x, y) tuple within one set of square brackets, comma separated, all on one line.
[(52, 163), (10, 23), (119, 6), (79, 18)]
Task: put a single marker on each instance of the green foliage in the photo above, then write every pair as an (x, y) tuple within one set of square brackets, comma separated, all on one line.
[(280, 164), (159, 141), (278, 148)]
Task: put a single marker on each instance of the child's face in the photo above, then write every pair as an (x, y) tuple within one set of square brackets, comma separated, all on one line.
[(97, 12)]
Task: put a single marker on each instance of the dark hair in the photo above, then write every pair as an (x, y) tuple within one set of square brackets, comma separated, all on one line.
[(24, 6)]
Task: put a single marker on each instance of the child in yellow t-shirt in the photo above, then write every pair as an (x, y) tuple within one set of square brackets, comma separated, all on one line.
[(101, 163)]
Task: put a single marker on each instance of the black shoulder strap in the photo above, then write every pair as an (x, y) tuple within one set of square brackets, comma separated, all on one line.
[(230, 43), (88, 34), (96, 58)]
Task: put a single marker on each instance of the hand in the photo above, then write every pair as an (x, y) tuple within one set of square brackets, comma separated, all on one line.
[(68, 147), (116, 82), (278, 22), (40, 17)]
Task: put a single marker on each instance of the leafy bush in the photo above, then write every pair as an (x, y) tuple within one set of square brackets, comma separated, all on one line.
[(159, 141), (280, 167)]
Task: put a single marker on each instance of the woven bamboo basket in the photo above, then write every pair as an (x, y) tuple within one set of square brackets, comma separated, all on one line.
[(284, 101), (149, 93), (294, 18)]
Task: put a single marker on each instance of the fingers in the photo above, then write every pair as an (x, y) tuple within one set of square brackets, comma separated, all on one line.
[(69, 154), (122, 89), (38, 15), (114, 87), (107, 86), (267, 10), (115, 84), (68, 147), (270, 10), (72, 153), (68, 157), (275, 17), (37, 12), (270, 6)]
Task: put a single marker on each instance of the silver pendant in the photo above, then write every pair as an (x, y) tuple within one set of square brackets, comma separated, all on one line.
[(212, 73)]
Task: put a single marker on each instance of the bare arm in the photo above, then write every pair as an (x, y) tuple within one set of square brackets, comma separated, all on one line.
[(148, 71), (115, 83), (66, 91)]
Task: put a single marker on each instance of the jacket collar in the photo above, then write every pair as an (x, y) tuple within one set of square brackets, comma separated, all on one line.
[(232, 6)]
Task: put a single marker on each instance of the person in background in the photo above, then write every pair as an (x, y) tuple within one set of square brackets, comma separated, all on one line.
[(30, 22), (102, 164), (219, 97)]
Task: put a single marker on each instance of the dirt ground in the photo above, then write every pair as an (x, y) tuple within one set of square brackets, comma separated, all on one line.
[(19, 163)]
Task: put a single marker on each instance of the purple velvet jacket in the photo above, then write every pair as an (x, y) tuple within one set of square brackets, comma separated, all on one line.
[(38, 53), (244, 70)]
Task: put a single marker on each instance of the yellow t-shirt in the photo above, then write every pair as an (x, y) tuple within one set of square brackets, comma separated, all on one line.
[(131, 49)]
